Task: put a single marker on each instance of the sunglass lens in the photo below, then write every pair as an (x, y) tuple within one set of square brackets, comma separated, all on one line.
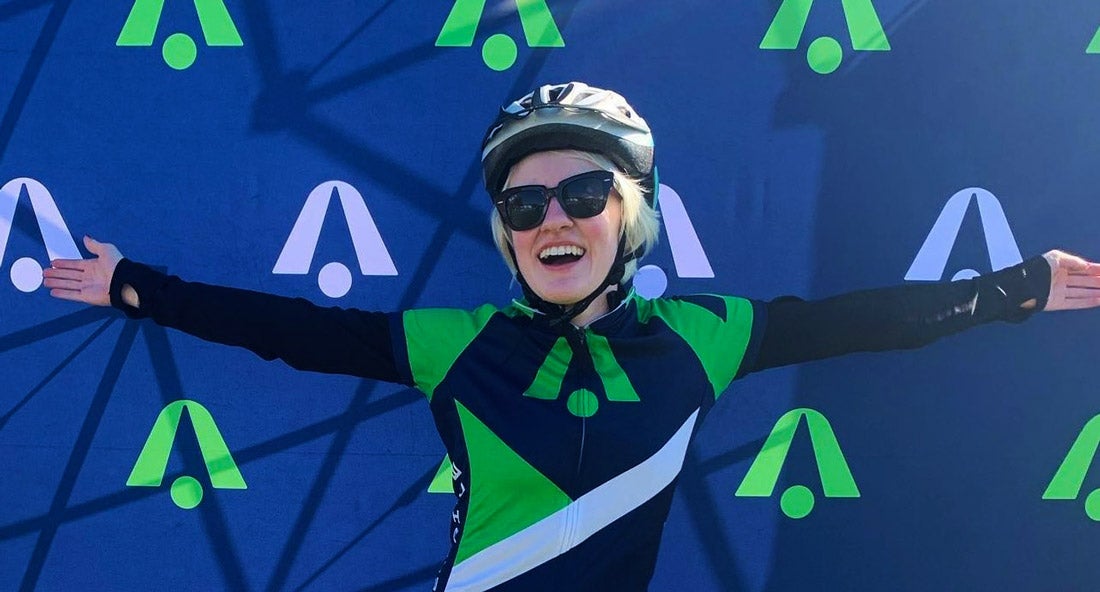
[(585, 197), (525, 208)]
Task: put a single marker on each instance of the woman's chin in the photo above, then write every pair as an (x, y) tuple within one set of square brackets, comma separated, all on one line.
[(561, 295), (564, 284), (560, 300)]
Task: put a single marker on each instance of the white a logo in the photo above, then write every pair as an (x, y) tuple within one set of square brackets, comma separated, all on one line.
[(26, 273), (687, 252), (334, 278), (932, 258)]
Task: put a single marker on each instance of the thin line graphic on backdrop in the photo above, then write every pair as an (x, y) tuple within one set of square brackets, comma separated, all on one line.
[(34, 64)]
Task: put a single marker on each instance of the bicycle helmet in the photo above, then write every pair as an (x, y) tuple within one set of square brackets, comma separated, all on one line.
[(571, 116)]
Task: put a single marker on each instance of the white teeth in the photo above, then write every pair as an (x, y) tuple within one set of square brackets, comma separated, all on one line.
[(561, 250)]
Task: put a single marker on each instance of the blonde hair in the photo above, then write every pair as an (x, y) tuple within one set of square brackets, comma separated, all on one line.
[(638, 225)]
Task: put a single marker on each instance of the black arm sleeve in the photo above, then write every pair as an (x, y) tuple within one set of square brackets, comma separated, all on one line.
[(900, 317), (302, 334)]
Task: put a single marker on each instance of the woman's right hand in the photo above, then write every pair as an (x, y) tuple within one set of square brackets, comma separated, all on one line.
[(87, 280)]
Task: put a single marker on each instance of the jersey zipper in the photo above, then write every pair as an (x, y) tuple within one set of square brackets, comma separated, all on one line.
[(581, 353), (577, 337)]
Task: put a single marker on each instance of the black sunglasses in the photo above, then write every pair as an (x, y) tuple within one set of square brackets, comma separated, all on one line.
[(581, 196)]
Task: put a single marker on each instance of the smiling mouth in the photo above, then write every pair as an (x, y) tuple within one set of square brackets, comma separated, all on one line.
[(560, 255)]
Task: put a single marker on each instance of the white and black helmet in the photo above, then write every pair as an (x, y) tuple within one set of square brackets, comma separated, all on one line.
[(569, 116)]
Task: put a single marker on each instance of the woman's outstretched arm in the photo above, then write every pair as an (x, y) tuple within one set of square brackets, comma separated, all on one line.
[(302, 334), (913, 315)]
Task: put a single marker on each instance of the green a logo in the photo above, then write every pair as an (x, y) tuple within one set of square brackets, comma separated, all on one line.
[(824, 54), (186, 490), (1069, 478), (797, 501), (179, 49), (499, 51), (582, 402)]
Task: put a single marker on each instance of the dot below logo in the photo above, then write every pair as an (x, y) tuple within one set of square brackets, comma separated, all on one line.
[(825, 53), (186, 491), (179, 50), (798, 500), (335, 278), (499, 51), (26, 272)]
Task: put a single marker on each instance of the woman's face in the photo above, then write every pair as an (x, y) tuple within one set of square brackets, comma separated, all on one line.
[(564, 279)]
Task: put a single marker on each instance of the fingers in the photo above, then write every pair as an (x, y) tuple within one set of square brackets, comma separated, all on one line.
[(1076, 265), (1061, 260), (78, 264), (94, 247), (1072, 303), (1083, 281), (64, 284), (63, 294), (65, 273), (105, 252), (100, 249), (1086, 269)]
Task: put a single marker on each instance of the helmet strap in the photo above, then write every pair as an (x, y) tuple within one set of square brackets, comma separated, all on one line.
[(559, 313)]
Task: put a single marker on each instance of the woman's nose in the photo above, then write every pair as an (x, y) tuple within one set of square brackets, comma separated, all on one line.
[(555, 215)]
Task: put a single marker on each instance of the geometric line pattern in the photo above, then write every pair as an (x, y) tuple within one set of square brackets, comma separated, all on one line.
[(454, 211)]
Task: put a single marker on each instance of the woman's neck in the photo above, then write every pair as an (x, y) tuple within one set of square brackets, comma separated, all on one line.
[(599, 307)]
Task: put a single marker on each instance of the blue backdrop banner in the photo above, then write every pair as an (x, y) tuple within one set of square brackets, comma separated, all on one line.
[(330, 150)]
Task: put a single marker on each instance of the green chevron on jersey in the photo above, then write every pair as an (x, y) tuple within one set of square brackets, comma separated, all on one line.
[(615, 381), (494, 465), (548, 379), (431, 359), (711, 341)]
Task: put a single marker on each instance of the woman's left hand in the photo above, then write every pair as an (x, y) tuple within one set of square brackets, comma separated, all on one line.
[(1074, 282)]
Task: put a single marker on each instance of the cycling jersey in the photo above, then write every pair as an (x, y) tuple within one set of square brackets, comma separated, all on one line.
[(566, 443)]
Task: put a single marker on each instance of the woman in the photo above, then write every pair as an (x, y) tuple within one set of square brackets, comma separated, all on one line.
[(567, 415)]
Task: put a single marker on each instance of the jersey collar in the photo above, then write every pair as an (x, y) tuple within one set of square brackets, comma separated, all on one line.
[(604, 321)]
